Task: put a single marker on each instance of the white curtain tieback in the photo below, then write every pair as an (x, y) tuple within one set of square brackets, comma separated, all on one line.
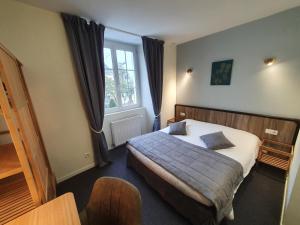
[(157, 115), (96, 131)]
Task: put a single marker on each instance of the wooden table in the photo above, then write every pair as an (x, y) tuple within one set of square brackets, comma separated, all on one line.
[(60, 211)]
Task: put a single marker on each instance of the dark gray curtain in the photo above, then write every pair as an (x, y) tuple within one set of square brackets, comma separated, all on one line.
[(154, 57), (86, 42)]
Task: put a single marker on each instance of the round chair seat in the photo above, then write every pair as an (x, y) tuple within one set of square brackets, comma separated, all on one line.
[(113, 201)]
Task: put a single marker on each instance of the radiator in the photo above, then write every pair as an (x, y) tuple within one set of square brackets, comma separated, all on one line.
[(126, 128)]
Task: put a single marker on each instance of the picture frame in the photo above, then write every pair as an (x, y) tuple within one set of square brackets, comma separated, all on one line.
[(221, 72)]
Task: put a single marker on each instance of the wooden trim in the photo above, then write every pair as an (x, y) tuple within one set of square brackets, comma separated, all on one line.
[(251, 122), (51, 176), (279, 143), (243, 113), (34, 116), (269, 149)]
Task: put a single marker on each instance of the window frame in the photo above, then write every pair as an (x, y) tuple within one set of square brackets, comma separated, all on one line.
[(114, 46)]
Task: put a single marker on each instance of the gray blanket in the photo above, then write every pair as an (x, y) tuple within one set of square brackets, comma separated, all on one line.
[(212, 174)]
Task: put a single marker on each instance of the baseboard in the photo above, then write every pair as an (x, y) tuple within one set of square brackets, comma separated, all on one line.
[(73, 173)]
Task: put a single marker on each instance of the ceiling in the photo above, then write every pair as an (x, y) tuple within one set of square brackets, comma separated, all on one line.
[(174, 21)]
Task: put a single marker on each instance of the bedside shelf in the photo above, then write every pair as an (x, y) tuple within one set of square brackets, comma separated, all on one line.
[(275, 154), (274, 161), (169, 121)]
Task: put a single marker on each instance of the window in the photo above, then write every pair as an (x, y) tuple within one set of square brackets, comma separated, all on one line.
[(121, 77)]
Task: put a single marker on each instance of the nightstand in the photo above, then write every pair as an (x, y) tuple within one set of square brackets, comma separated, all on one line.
[(276, 154), (169, 121)]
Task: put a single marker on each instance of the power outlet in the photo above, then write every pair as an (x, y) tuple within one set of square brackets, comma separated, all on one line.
[(271, 131), (182, 114), (86, 155)]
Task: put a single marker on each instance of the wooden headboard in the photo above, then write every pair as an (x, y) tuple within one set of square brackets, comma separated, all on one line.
[(253, 123)]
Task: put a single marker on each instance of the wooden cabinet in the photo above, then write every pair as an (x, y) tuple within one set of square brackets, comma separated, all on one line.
[(169, 121), (26, 178), (276, 154)]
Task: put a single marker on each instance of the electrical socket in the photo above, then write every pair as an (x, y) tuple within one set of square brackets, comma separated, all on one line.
[(86, 155), (271, 131)]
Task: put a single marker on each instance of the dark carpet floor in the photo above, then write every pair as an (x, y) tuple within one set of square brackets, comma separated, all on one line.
[(257, 202)]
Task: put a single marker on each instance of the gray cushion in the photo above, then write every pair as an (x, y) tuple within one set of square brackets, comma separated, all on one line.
[(178, 128), (216, 141)]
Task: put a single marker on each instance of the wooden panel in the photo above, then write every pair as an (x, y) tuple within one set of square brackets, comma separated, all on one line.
[(274, 161), (51, 180), (9, 161), (14, 87), (15, 198), (61, 210), (253, 123), (33, 149)]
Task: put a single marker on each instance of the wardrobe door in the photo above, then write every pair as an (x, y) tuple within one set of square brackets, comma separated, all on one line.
[(29, 131)]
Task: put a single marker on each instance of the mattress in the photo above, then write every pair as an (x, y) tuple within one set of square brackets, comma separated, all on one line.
[(245, 152)]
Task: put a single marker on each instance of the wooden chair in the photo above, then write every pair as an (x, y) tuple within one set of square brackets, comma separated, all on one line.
[(113, 201)]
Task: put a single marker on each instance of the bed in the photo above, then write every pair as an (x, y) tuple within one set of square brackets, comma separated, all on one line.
[(184, 198)]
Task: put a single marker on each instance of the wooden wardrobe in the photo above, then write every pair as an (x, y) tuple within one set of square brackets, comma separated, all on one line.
[(26, 178)]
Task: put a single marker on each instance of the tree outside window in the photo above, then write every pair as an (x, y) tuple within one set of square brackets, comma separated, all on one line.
[(120, 78)]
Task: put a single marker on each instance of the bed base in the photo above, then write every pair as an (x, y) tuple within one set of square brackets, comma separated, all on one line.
[(195, 212)]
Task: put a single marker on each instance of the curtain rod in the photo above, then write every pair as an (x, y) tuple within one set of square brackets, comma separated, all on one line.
[(123, 31), (116, 29)]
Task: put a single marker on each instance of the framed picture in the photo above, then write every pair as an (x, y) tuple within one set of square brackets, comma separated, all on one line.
[(221, 72)]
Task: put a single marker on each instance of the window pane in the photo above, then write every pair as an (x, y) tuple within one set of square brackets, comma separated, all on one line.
[(107, 59), (127, 87), (129, 60), (121, 59), (110, 90), (120, 77)]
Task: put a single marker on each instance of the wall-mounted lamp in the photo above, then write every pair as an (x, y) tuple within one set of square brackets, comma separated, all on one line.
[(189, 71), (270, 61)]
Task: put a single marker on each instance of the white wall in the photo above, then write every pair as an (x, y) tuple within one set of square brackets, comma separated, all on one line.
[(254, 87), (37, 38), (291, 214), (294, 168)]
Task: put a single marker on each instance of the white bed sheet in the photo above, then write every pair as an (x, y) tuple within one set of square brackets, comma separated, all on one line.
[(245, 152), (246, 144)]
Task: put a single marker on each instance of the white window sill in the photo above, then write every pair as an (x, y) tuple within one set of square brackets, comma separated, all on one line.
[(123, 111)]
